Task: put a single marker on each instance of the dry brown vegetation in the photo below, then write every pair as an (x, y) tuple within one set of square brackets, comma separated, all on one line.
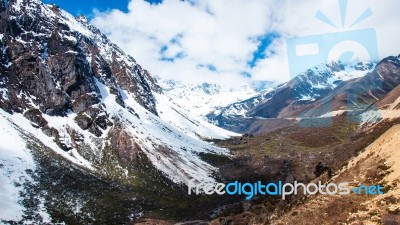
[(346, 149), (292, 152)]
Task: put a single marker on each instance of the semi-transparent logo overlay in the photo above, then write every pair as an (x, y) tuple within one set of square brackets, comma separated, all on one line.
[(250, 190), (348, 47)]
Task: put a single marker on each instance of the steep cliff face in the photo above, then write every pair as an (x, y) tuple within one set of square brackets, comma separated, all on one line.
[(49, 55)]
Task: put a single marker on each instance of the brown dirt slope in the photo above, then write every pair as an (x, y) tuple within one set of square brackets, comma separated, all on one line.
[(390, 101), (378, 164)]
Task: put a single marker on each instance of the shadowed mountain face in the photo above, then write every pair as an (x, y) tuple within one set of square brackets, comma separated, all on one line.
[(390, 101)]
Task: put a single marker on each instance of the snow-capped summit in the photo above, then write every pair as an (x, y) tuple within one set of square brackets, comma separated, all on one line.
[(313, 83), (201, 99)]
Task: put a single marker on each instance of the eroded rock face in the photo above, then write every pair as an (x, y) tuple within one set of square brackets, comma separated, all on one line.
[(35, 116), (121, 140), (83, 121), (95, 119), (56, 66), (83, 102)]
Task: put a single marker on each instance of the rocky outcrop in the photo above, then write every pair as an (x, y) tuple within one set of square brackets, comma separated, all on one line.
[(128, 150), (95, 119), (48, 60), (35, 116)]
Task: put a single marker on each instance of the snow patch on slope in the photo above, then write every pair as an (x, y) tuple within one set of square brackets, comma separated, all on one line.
[(23, 124), (330, 76), (15, 160), (182, 119), (174, 153), (343, 72)]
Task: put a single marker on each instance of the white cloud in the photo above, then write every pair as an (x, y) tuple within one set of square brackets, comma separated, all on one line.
[(202, 34)]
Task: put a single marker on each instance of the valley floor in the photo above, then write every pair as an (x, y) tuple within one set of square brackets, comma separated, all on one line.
[(355, 153)]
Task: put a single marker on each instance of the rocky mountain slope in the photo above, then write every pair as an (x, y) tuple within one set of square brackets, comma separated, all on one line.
[(312, 86), (359, 94), (319, 92), (67, 93), (391, 101), (377, 164), (234, 116)]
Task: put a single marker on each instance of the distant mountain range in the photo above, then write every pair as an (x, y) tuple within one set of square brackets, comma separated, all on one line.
[(201, 99), (316, 92)]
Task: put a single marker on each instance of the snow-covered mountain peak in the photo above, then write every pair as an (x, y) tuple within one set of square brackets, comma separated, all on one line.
[(310, 85), (201, 99)]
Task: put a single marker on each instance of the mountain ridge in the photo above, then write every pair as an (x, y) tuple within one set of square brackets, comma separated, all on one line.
[(316, 92)]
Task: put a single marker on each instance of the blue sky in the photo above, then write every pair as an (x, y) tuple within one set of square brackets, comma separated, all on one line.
[(86, 7), (264, 42)]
